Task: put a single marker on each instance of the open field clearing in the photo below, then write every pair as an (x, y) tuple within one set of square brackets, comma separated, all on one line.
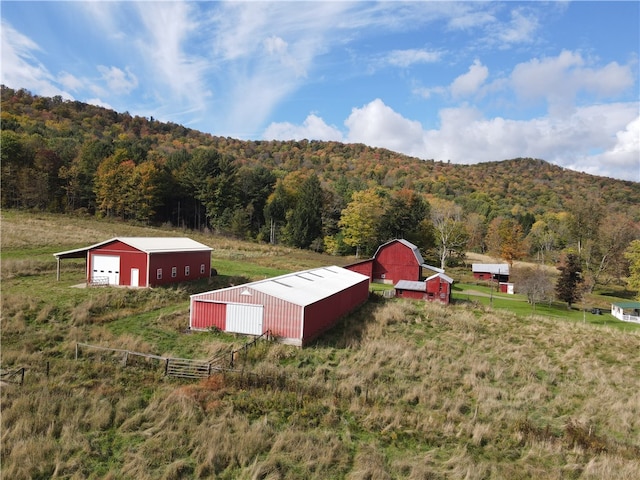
[(399, 389)]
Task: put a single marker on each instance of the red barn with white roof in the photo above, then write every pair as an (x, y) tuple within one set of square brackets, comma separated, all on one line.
[(143, 261), (296, 307)]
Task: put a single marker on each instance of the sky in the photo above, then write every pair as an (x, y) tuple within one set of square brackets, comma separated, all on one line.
[(464, 82)]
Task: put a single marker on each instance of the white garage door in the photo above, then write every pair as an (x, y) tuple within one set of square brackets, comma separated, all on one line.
[(246, 319), (106, 267)]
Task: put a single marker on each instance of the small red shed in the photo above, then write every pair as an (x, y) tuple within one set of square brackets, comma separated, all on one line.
[(296, 307), (393, 261), (143, 261), (435, 288)]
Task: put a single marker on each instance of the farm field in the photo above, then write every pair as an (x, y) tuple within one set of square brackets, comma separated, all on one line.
[(399, 389)]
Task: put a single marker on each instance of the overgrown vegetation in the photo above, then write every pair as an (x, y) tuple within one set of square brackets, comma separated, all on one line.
[(398, 389)]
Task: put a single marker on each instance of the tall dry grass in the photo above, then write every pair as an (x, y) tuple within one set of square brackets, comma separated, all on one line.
[(399, 389)]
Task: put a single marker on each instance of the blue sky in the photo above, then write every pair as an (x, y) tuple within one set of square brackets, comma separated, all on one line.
[(463, 82)]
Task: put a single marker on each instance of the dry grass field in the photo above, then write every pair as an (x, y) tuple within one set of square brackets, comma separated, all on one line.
[(399, 389)]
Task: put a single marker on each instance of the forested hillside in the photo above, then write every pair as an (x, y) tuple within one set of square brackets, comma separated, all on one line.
[(68, 156)]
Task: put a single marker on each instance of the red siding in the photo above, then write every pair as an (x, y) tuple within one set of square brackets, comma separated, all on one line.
[(166, 261), (208, 314), (411, 294), (439, 289), (282, 318), (482, 275), (129, 258), (394, 262), (365, 267), (323, 315)]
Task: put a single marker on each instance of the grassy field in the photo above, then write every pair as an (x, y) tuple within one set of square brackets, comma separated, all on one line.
[(399, 389)]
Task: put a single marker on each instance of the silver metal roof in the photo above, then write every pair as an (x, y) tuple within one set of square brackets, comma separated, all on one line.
[(495, 268), (411, 285), (147, 245), (443, 276), (306, 287)]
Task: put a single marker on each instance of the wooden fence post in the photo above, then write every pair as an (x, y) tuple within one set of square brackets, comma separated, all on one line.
[(166, 366), (76, 350), (22, 376)]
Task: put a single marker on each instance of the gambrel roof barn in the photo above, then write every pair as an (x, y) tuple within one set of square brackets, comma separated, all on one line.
[(395, 260)]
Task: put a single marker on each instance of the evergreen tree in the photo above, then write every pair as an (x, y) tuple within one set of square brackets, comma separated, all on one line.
[(570, 279), (305, 221)]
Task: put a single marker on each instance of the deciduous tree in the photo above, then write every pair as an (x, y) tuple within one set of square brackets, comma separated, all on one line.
[(505, 239), (449, 229), (632, 254), (360, 220)]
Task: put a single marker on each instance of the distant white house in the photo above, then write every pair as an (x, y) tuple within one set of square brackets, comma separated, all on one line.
[(626, 311)]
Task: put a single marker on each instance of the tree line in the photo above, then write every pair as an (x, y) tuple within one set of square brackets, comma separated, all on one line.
[(65, 156)]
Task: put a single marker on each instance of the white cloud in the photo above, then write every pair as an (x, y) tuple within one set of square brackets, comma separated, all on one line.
[(622, 159), (167, 28), (521, 28), (21, 68), (378, 125), (406, 58), (313, 127), (469, 83), (559, 79), (278, 48), (99, 103), (70, 81), (118, 81)]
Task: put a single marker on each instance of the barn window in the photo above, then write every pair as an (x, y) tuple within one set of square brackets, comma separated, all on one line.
[(202, 268), (174, 272), (159, 274), (187, 270)]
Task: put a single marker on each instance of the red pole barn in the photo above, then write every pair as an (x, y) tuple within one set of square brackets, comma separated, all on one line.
[(143, 261), (296, 307)]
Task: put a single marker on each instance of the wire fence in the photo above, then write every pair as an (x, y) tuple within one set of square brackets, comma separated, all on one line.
[(180, 367)]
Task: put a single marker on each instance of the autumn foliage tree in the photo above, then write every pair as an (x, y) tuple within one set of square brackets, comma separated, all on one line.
[(632, 254), (360, 220), (506, 240)]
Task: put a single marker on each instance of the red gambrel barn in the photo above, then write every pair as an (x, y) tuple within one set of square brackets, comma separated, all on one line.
[(143, 261), (394, 261), (435, 288), (295, 308)]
